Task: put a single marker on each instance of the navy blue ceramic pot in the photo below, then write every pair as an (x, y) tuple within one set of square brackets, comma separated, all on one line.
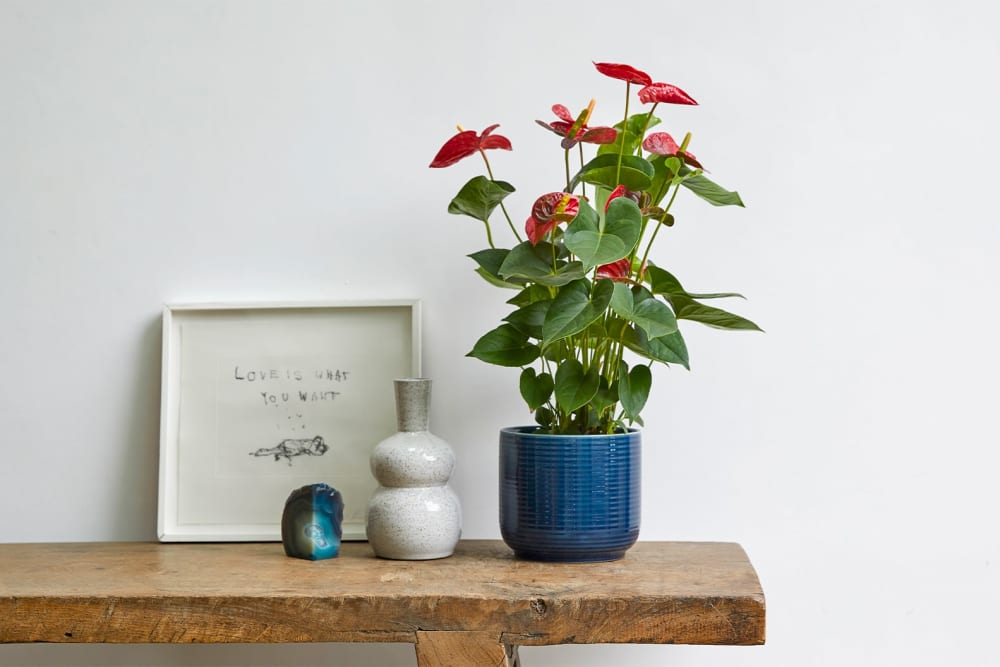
[(569, 498)]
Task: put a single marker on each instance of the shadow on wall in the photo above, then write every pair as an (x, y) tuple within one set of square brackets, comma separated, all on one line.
[(138, 462), (214, 655)]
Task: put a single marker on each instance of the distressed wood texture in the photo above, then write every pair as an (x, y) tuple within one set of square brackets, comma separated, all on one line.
[(449, 649), (661, 592)]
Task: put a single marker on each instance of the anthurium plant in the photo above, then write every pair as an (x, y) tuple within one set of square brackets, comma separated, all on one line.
[(591, 311)]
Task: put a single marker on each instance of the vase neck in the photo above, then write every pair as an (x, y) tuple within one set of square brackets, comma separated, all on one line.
[(413, 397)]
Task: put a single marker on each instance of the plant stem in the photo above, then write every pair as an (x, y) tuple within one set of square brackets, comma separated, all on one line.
[(510, 223), (489, 234), (645, 127), (642, 232), (566, 162), (621, 148), (659, 223)]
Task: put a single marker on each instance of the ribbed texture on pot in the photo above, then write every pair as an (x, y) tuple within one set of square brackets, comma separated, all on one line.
[(569, 498)]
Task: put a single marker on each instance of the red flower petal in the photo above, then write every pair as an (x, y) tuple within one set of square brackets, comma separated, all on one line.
[(460, 146), (660, 143), (599, 135), (498, 141), (624, 73), (615, 194), (466, 143), (563, 113), (561, 127), (691, 159), (555, 207), (536, 231), (619, 271), (553, 127), (666, 93)]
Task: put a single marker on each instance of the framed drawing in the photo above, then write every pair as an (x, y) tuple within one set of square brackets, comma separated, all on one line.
[(260, 399)]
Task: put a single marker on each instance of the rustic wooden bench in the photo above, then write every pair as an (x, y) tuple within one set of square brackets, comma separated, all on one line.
[(474, 608)]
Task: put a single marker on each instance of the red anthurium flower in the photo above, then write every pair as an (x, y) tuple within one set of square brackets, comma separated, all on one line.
[(624, 73), (536, 231), (620, 191), (619, 271), (557, 206), (548, 211), (590, 135), (666, 93), (661, 143), (468, 142)]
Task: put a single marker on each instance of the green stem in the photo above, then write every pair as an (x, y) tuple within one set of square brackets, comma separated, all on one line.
[(662, 191), (510, 223), (659, 223), (583, 183), (489, 169), (621, 148), (645, 127), (635, 249), (489, 234), (566, 162)]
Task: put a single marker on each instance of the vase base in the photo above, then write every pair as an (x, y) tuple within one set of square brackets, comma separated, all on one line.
[(548, 557), (437, 555)]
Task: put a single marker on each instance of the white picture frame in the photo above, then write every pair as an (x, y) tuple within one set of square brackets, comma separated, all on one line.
[(260, 399)]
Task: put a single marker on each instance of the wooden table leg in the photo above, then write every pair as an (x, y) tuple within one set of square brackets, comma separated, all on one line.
[(464, 649)]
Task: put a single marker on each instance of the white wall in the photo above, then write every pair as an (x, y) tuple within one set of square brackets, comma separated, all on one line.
[(157, 152)]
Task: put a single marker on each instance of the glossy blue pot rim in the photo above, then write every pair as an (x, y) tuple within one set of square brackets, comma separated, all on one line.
[(532, 431)]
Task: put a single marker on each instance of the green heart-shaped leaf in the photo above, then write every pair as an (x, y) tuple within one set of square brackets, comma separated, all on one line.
[(689, 309), (516, 283), (629, 134), (479, 197), (535, 263), (544, 417), (595, 244), (639, 306), (489, 261), (605, 397), (663, 282), (574, 308), (535, 388), (686, 308), (664, 171), (505, 346), (635, 173), (708, 190), (529, 295), (633, 389), (669, 349), (529, 319), (573, 387)]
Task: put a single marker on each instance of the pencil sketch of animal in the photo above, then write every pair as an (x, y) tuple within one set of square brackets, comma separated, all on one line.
[(294, 447)]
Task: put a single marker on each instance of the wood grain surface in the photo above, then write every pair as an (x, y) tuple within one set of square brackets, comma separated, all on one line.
[(449, 649), (661, 592)]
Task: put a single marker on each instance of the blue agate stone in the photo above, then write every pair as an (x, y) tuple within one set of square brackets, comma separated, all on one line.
[(311, 522)]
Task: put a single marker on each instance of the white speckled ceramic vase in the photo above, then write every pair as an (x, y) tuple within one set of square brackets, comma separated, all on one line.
[(414, 514)]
